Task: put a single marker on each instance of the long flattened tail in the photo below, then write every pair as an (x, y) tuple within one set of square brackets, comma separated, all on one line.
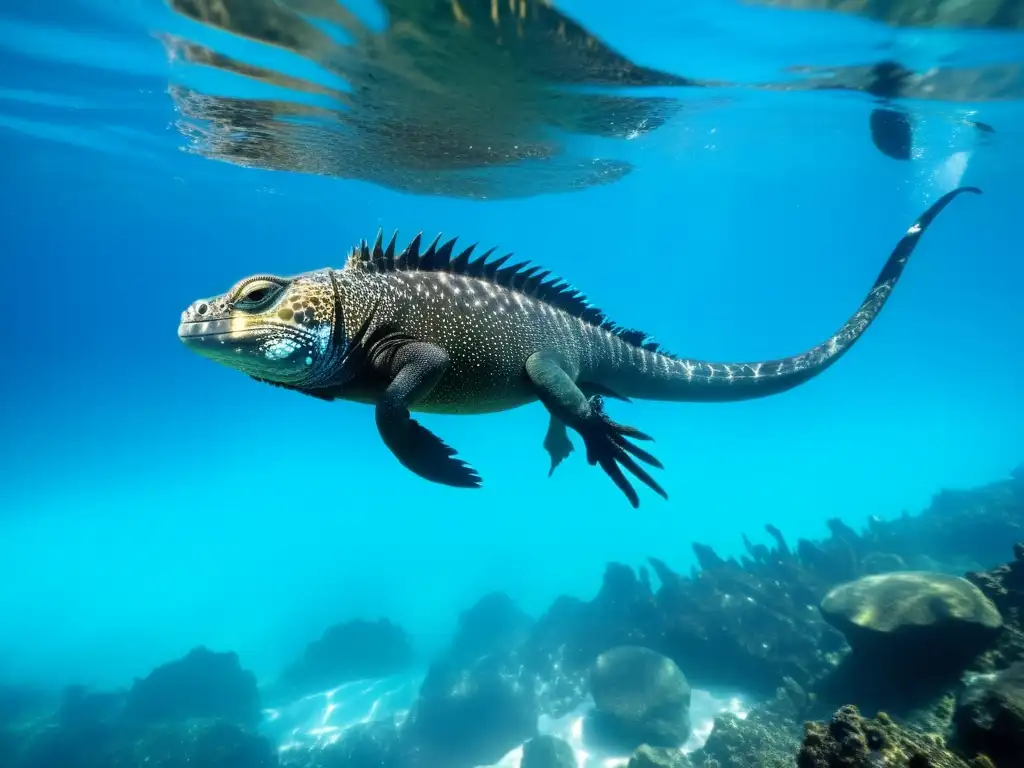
[(677, 379)]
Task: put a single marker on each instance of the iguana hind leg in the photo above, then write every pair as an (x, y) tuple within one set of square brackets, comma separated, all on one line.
[(556, 441), (414, 367), (606, 441)]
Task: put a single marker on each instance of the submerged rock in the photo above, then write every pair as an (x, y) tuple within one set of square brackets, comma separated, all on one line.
[(199, 744), (640, 697), (758, 740), (990, 716), (350, 651), (473, 715), (894, 617), (747, 625), (495, 624), (658, 757), (880, 609), (1004, 585), (203, 684), (912, 633), (547, 752), (852, 741)]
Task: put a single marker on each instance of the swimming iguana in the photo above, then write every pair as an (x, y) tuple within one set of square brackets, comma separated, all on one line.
[(426, 330)]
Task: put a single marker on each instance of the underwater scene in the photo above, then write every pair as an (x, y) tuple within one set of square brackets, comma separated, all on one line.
[(512, 384)]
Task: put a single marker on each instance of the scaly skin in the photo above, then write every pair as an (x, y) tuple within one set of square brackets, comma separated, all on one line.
[(429, 332)]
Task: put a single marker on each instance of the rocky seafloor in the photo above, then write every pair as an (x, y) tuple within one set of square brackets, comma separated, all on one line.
[(898, 645)]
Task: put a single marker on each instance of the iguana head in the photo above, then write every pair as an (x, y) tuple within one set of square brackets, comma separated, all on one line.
[(273, 328)]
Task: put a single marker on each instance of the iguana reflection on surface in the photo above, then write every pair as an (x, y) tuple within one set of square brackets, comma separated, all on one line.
[(469, 98), (444, 92)]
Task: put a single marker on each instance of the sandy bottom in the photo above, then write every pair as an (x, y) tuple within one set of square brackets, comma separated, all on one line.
[(322, 718)]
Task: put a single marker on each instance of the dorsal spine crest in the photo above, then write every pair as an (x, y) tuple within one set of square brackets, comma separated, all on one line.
[(522, 277)]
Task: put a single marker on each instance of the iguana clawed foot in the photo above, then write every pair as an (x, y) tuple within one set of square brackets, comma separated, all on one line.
[(426, 454), (608, 446), (557, 443)]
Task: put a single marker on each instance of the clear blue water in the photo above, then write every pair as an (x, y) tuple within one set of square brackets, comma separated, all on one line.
[(151, 501)]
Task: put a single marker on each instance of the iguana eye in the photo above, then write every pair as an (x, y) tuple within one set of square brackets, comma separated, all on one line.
[(256, 294)]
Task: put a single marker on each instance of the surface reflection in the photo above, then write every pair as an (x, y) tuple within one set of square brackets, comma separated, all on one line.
[(483, 98)]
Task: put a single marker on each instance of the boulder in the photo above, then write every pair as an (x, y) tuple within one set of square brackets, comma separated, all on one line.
[(890, 603), (547, 752), (640, 697), (912, 634), (899, 615)]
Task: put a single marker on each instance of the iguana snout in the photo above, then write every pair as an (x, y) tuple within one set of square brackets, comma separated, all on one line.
[(274, 328)]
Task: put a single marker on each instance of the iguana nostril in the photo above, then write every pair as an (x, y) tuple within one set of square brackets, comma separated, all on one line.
[(202, 309)]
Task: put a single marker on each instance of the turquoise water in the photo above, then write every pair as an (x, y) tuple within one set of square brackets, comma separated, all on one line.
[(152, 502)]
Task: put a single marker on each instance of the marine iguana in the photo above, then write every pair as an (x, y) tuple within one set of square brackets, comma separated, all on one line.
[(423, 330)]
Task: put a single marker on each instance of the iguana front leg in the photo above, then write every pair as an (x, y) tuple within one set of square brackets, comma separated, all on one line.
[(606, 441), (413, 368)]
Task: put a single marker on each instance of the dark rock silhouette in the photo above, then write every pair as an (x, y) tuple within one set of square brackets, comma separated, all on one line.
[(495, 624), (203, 684), (349, 651), (473, 715), (640, 697)]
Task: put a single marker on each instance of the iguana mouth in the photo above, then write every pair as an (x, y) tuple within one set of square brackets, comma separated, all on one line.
[(206, 330), (229, 330)]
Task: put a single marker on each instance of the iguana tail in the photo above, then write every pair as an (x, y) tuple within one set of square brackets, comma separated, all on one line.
[(662, 377)]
